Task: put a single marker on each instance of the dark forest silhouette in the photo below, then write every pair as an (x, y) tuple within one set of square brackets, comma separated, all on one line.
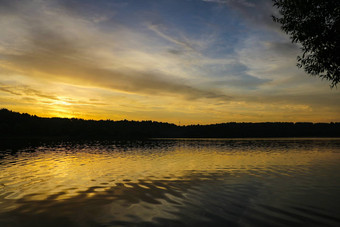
[(14, 124)]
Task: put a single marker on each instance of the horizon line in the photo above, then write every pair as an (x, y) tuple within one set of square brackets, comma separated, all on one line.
[(243, 122)]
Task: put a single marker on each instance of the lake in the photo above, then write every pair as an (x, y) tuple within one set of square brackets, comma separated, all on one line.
[(171, 182)]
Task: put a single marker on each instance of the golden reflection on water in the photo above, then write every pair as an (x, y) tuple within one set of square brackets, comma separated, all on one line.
[(172, 182), (42, 174)]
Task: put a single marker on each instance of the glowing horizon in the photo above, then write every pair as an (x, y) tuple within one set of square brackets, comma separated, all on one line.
[(193, 62)]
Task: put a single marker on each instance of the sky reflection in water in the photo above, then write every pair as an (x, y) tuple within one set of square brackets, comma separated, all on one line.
[(179, 182)]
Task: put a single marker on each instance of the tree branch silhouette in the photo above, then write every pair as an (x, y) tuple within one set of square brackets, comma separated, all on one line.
[(315, 25)]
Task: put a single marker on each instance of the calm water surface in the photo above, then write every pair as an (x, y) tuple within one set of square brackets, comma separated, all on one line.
[(183, 182)]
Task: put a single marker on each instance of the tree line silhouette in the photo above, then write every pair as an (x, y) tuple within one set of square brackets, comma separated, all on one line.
[(14, 124)]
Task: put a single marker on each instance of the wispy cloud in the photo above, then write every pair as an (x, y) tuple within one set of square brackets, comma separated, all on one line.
[(183, 44), (230, 62), (69, 56), (24, 90)]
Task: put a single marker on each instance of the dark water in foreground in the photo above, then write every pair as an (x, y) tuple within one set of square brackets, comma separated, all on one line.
[(246, 182)]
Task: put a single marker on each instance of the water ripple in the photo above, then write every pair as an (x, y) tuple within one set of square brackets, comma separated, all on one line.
[(172, 182)]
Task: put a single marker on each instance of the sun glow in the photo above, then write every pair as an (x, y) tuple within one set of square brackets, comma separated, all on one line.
[(163, 71), (61, 102)]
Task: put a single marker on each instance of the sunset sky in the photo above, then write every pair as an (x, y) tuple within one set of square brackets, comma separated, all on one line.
[(180, 61)]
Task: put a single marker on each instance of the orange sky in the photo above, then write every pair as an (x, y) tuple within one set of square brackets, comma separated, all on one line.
[(186, 62)]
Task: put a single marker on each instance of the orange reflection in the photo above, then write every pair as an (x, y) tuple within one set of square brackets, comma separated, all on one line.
[(70, 171)]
